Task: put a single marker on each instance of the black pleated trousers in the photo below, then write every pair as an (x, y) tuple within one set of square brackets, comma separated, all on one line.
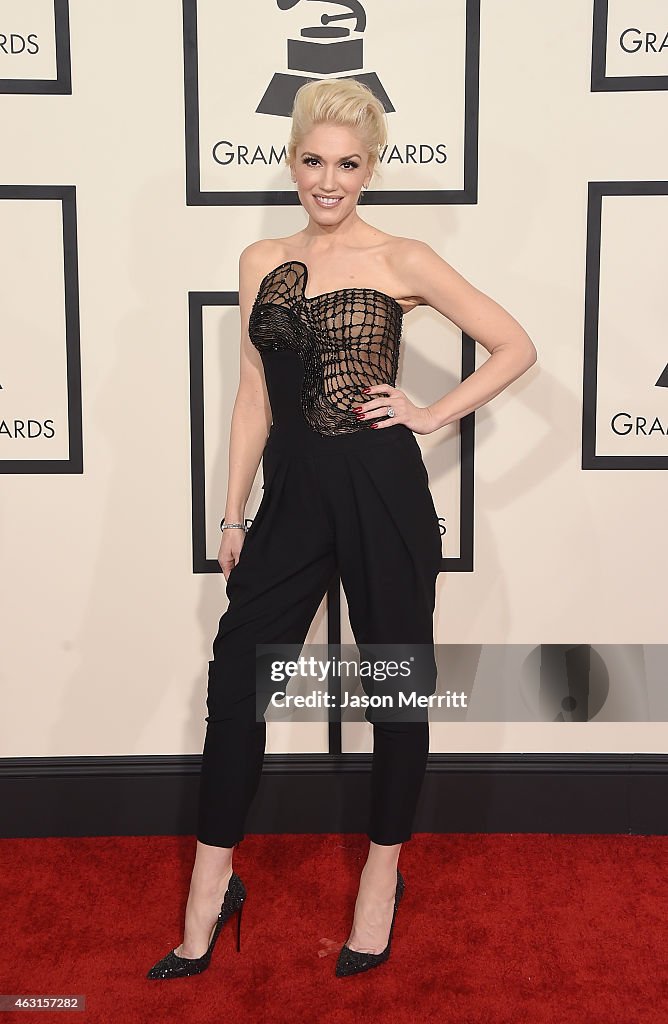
[(358, 504)]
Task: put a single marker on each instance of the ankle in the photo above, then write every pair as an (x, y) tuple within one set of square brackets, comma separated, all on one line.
[(211, 883), (218, 880), (379, 878), (382, 860)]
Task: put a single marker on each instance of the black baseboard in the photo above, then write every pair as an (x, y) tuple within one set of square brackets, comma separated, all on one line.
[(315, 793)]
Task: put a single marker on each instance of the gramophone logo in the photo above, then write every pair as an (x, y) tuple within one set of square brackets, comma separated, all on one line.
[(629, 45), (329, 48), (34, 46), (245, 62)]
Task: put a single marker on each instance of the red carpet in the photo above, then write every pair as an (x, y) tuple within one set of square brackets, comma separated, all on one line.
[(492, 928)]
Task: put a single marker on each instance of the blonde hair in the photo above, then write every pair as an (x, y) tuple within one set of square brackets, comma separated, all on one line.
[(343, 101)]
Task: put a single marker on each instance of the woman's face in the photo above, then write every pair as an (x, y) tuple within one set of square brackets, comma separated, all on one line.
[(330, 162)]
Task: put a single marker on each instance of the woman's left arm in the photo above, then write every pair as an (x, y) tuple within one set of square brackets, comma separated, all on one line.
[(511, 349)]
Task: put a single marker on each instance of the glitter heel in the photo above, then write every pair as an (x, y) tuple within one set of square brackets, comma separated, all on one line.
[(351, 961), (175, 966)]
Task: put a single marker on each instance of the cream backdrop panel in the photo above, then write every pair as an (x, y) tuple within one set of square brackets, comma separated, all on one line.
[(105, 629)]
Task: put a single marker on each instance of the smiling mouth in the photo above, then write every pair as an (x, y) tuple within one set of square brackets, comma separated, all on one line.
[(328, 202)]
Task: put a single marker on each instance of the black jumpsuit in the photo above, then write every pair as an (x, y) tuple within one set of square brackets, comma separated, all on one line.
[(338, 496)]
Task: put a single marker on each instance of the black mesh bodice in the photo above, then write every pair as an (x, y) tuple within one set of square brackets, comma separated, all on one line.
[(319, 351)]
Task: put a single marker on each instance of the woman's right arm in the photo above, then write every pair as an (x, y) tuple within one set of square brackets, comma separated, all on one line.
[(251, 416)]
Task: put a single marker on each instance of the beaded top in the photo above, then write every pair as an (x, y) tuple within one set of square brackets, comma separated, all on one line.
[(348, 339)]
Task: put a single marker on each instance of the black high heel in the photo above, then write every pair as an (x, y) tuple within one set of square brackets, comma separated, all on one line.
[(352, 961), (175, 966)]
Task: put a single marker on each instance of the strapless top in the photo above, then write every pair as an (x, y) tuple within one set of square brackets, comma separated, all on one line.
[(346, 340)]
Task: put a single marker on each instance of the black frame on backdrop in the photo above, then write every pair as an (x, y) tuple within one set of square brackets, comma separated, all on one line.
[(197, 301), (66, 194), (600, 80), (286, 197), (62, 84), (590, 458)]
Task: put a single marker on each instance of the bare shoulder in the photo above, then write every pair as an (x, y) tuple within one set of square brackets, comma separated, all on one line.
[(409, 252), (256, 260), (422, 269), (408, 255), (258, 253), (406, 261)]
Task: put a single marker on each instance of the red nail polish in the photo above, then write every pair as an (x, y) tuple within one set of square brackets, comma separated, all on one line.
[(374, 426), (365, 391)]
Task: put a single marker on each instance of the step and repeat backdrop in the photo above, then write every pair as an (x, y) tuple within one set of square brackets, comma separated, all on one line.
[(142, 150)]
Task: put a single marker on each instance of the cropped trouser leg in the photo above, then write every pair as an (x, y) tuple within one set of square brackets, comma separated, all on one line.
[(286, 564), (389, 554)]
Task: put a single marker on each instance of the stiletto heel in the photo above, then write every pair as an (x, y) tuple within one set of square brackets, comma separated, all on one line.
[(239, 929), (174, 966), (352, 961)]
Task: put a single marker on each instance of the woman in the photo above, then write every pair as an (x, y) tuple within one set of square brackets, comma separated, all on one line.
[(345, 489)]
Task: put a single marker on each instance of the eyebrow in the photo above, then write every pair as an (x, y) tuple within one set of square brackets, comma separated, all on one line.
[(317, 155)]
